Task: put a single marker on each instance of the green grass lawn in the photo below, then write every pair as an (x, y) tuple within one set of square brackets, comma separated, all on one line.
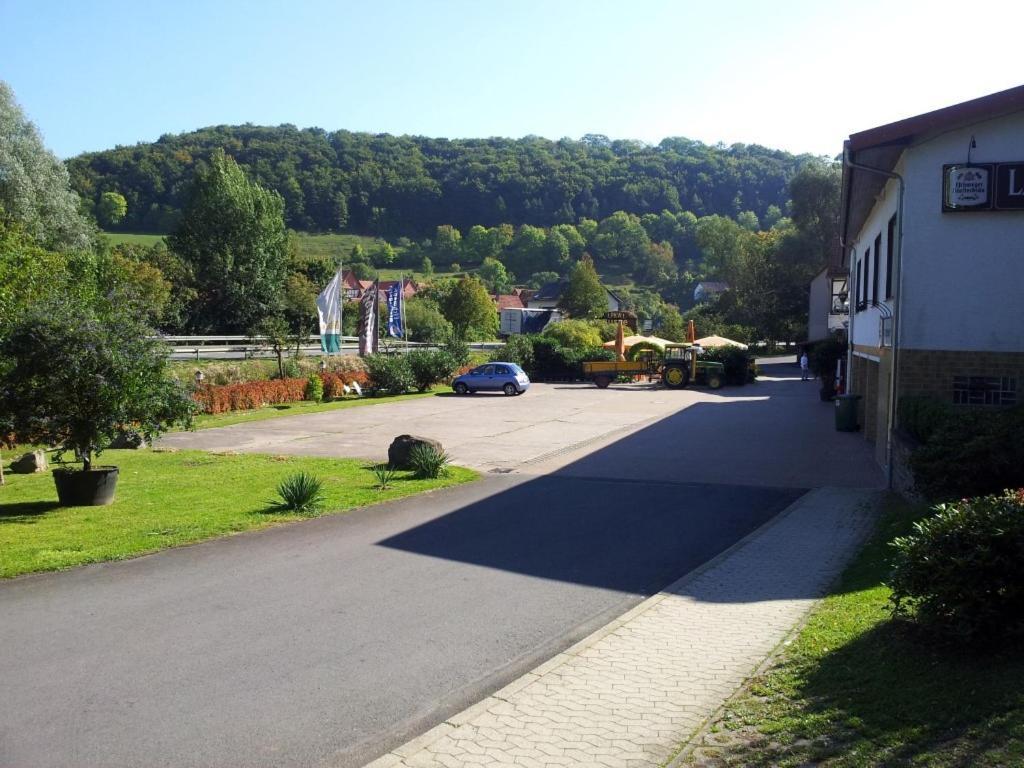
[(165, 499), (855, 689), (134, 239), (206, 421)]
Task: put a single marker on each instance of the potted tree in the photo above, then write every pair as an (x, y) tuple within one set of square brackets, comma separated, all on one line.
[(823, 360), (74, 377)]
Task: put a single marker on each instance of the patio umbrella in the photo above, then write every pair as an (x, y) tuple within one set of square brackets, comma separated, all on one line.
[(710, 342), (629, 341), (620, 343)]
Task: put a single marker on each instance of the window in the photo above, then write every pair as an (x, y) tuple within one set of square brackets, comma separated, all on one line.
[(874, 270), (862, 281), (840, 296), (890, 239), (984, 390)]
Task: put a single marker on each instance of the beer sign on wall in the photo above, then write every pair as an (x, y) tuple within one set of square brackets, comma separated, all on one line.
[(983, 187)]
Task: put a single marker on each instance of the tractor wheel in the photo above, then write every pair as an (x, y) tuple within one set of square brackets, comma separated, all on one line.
[(676, 376), (510, 389), (602, 381), (461, 389), (715, 380)]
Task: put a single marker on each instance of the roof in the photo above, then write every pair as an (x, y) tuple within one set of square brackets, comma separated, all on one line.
[(508, 301), (881, 148), (550, 291), (713, 285)]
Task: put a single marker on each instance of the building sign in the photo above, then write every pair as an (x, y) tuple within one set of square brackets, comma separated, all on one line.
[(966, 187), (983, 187), (1010, 187)]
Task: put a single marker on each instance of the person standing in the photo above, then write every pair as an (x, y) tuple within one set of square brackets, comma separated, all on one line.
[(805, 371)]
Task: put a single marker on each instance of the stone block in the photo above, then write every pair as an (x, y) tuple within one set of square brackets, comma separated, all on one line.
[(401, 447), (29, 463)]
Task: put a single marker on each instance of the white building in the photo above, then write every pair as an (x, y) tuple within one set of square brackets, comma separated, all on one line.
[(933, 234)]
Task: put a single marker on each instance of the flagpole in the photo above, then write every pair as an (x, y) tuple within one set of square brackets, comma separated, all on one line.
[(341, 303), (401, 314)]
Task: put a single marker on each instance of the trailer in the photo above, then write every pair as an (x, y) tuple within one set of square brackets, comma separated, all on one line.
[(604, 372)]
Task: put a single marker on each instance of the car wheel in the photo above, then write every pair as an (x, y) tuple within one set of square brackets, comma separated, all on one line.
[(602, 381), (510, 389), (461, 389)]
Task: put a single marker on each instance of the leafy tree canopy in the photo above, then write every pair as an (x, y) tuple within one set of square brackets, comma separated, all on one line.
[(232, 234)]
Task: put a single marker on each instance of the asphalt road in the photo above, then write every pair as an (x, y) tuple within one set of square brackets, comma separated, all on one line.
[(328, 641)]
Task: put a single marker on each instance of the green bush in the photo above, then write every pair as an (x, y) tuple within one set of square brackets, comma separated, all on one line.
[(389, 374), (575, 334), (973, 453), (645, 346), (427, 462), (314, 388), (961, 571), (823, 356), (735, 363), (291, 368), (460, 352), (302, 493), (430, 366), (518, 350), (920, 416)]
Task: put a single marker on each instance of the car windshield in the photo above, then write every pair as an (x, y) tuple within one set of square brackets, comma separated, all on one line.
[(516, 369)]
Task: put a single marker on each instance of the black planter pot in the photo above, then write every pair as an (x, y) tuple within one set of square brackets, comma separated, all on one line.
[(92, 488)]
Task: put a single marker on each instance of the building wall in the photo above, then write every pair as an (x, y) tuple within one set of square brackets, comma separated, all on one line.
[(964, 271), (962, 316)]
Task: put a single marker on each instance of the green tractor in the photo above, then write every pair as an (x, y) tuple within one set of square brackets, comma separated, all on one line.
[(682, 365)]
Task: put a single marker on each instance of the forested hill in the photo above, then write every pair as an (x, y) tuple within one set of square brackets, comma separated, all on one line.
[(407, 185)]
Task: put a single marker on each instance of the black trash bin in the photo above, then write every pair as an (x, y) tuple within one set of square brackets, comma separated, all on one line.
[(846, 413)]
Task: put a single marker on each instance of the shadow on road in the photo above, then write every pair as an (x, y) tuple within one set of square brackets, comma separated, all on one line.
[(638, 513)]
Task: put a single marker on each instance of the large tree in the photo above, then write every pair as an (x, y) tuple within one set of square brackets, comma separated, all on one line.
[(232, 234), (470, 310), (34, 188), (584, 296)]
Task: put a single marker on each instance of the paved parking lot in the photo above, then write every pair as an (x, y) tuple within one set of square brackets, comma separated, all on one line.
[(483, 431)]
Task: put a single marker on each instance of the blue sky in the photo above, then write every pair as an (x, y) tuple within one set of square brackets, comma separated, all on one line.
[(794, 75)]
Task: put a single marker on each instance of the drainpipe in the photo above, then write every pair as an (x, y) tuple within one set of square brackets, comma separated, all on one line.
[(897, 302)]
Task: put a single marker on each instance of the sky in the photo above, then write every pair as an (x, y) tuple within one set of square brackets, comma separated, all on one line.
[(799, 76)]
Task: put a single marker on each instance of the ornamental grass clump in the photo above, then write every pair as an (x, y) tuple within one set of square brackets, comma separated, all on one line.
[(301, 493), (961, 572), (385, 475), (428, 463)]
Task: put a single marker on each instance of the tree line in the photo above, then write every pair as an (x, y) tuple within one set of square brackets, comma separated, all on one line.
[(396, 186), (231, 265)]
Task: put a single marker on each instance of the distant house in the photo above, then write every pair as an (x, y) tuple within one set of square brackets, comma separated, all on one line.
[(709, 289), (548, 296), (355, 288)]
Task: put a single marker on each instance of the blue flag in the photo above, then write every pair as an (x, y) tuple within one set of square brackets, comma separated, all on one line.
[(395, 311)]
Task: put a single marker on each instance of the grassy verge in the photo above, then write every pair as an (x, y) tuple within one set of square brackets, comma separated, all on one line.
[(855, 689), (166, 499), (209, 420)]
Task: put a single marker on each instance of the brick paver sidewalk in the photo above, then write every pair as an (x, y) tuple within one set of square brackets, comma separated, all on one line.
[(631, 693)]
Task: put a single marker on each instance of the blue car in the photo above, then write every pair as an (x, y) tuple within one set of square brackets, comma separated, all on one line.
[(496, 377)]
